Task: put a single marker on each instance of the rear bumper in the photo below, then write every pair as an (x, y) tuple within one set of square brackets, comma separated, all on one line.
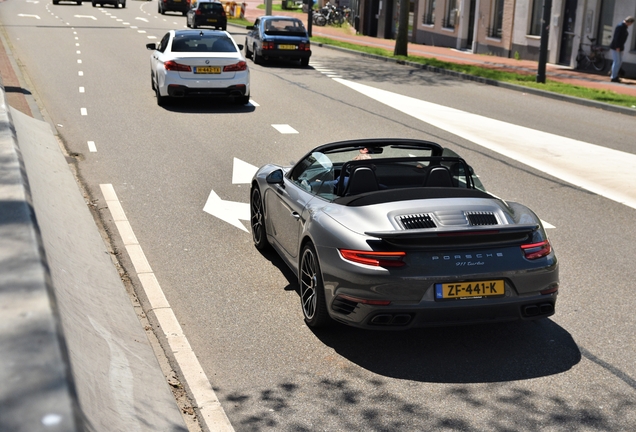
[(175, 90), (459, 312), (203, 21), (176, 7), (286, 54)]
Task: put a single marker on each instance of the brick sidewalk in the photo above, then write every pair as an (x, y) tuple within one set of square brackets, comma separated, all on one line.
[(553, 72)]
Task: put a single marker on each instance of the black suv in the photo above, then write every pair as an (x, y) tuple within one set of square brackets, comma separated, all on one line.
[(182, 6), (207, 13)]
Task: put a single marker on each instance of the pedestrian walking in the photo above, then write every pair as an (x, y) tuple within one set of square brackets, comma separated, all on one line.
[(618, 46)]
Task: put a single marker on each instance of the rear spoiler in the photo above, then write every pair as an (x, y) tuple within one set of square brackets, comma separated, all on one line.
[(498, 234)]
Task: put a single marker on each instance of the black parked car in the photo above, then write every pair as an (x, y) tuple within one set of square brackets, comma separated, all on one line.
[(207, 13), (182, 6), (277, 37)]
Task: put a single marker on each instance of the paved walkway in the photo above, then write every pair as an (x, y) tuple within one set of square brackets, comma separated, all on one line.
[(553, 72)]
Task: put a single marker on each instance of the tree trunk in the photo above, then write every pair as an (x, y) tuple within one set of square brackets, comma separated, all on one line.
[(402, 38)]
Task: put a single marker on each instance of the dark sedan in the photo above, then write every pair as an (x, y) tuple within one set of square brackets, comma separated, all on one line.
[(278, 37)]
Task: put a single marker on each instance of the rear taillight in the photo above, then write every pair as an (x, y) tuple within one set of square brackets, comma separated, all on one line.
[(377, 259), (174, 66), (536, 250), (198, 12), (268, 45), (304, 46), (240, 66), (223, 13)]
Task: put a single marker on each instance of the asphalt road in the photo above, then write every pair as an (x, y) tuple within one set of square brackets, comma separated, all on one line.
[(238, 308)]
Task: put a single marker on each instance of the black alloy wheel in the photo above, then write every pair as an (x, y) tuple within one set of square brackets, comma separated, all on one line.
[(257, 219), (312, 290)]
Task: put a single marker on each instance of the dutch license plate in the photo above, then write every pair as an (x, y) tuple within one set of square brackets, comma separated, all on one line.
[(287, 47), (470, 289), (211, 19), (207, 70)]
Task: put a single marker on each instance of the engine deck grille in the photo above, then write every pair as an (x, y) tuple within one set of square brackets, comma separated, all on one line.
[(482, 218), (416, 221)]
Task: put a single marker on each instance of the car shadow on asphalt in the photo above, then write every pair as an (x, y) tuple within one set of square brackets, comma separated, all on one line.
[(207, 106), (459, 354)]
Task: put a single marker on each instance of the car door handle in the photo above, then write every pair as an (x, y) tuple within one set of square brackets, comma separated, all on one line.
[(295, 215)]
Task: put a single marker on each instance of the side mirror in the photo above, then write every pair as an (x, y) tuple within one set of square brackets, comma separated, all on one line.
[(250, 27), (240, 46), (275, 177), (151, 46)]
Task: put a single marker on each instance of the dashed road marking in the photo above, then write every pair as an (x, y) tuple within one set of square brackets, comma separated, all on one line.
[(284, 129)]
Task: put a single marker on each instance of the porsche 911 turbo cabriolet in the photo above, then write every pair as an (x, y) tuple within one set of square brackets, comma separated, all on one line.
[(400, 233)]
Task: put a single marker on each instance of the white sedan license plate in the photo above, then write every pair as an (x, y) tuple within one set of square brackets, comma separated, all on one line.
[(457, 290), (207, 70)]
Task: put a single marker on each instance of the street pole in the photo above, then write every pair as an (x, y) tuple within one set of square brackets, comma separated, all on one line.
[(545, 35), (310, 9), (268, 7)]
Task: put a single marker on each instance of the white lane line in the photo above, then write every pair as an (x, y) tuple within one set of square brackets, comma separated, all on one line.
[(78, 52), (80, 73), (141, 31), (141, 19), (76, 44), (152, 37), (81, 90), (83, 111), (79, 61), (204, 396), (92, 147), (284, 129), (29, 16), (603, 171), (242, 172), (254, 103), (231, 212), (86, 16)]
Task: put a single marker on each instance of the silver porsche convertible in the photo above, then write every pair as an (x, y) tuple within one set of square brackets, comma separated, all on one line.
[(400, 233)]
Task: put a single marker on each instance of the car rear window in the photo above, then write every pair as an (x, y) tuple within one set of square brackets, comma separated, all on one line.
[(285, 27), (211, 7), (202, 43)]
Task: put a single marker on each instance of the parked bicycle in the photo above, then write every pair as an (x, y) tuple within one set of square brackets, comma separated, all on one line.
[(595, 56)]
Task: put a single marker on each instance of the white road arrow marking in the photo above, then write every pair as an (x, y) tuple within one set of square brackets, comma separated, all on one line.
[(243, 172), (28, 16), (86, 16), (228, 211), (142, 19)]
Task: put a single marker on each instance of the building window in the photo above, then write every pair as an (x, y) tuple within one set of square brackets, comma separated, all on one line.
[(535, 19), (605, 23), (450, 18), (496, 22), (429, 13)]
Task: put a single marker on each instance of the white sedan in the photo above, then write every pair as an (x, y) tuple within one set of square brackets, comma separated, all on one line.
[(199, 63)]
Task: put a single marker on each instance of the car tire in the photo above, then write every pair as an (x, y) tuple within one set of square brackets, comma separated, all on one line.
[(224, 28), (161, 100), (56, 2), (152, 81), (79, 3), (248, 53), (304, 62), (116, 4), (242, 100), (194, 24), (312, 290), (255, 57), (184, 13), (257, 220), (123, 4)]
